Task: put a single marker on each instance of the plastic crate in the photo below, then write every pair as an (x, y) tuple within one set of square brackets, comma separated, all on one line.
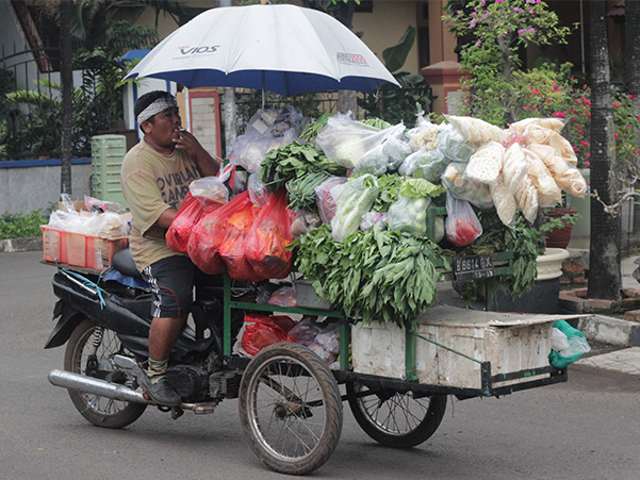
[(107, 154), (78, 250)]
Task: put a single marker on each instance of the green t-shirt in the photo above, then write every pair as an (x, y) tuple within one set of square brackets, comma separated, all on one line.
[(152, 183)]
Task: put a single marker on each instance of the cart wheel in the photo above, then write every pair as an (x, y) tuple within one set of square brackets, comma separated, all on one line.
[(393, 419), (290, 409)]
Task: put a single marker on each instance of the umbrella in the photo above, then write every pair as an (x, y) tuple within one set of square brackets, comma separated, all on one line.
[(285, 49)]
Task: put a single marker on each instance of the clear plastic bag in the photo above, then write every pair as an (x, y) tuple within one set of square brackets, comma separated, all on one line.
[(409, 215), (568, 344), (304, 332), (396, 149), (462, 225), (283, 297), (257, 190), (453, 146), (427, 164), (424, 135), (462, 188), (353, 200), (210, 188), (371, 219), (325, 201), (303, 222), (96, 205)]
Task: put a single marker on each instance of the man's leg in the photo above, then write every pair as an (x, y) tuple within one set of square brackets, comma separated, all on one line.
[(171, 280)]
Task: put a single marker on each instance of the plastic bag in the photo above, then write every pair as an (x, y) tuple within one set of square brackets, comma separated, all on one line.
[(257, 190), (514, 168), (568, 344), (232, 250), (476, 131), (462, 225), (548, 190), (325, 201), (504, 202), (303, 222), (396, 148), (326, 344), (267, 243), (191, 210), (424, 135), (96, 205), (283, 297), (453, 146), (353, 200), (210, 188), (304, 332), (409, 212), (567, 177), (427, 164), (260, 331), (371, 219), (485, 164), (554, 124), (463, 188), (212, 230)]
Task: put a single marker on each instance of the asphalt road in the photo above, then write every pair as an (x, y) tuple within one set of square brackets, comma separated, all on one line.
[(586, 429)]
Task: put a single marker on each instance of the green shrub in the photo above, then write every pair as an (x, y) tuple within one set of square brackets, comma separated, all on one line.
[(21, 225)]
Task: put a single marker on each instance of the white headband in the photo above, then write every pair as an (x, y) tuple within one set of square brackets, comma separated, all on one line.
[(159, 105)]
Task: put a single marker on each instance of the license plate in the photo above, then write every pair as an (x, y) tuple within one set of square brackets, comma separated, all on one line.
[(473, 267)]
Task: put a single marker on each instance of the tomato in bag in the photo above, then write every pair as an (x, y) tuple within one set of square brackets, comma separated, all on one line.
[(267, 244), (462, 225), (210, 233), (190, 212), (260, 331)]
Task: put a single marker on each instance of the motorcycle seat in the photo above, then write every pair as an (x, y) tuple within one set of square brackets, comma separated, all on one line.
[(123, 262)]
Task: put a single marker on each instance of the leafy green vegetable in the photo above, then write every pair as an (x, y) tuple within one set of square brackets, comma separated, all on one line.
[(389, 189), (354, 199), (295, 161), (376, 275), (302, 190), (420, 188), (376, 123), (310, 132)]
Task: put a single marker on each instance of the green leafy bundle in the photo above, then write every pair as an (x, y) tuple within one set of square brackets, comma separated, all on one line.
[(310, 132), (389, 190), (302, 190), (377, 275), (295, 161)]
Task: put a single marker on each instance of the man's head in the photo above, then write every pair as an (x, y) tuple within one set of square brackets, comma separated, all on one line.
[(157, 115)]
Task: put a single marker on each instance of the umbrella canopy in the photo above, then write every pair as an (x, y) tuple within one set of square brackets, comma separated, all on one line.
[(285, 49)]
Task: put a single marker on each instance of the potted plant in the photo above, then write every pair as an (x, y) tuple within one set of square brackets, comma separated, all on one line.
[(558, 226)]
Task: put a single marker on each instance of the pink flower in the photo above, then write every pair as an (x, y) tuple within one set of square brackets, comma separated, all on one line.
[(559, 114), (518, 10), (584, 143)]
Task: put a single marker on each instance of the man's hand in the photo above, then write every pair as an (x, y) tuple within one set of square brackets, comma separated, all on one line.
[(205, 163)]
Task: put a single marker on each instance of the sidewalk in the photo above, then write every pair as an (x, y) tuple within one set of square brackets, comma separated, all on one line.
[(628, 266)]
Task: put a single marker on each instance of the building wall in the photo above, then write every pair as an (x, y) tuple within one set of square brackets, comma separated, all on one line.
[(23, 190)]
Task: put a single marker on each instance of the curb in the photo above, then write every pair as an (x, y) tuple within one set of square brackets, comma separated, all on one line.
[(24, 244), (610, 330)]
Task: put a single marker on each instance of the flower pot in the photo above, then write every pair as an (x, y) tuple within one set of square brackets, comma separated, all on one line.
[(542, 297), (559, 238)]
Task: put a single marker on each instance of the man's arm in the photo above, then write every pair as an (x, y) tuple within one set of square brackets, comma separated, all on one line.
[(166, 218), (205, 163)]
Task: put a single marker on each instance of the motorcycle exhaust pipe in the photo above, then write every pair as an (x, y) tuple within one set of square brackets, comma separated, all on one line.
[(95, 386)]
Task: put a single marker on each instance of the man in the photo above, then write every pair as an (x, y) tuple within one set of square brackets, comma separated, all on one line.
[(155, 177)]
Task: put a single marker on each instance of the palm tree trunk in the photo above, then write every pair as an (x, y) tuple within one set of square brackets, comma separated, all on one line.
[(66, 77), (604, 258)]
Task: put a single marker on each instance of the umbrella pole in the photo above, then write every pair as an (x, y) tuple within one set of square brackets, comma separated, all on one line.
[(263, 99)]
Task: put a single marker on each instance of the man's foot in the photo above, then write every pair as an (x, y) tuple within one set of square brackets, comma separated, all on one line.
[(161, 392)]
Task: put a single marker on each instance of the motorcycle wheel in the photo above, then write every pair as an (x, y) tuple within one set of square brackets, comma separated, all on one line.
[(290, 409), (100, 411)]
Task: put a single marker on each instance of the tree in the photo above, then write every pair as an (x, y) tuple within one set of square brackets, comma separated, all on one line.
[(604, 259), (66, 77), (632, 47)]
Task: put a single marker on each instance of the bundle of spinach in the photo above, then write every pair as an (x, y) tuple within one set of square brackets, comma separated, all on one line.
[(376, 122), (295, 161), (377, 275), (310, 132)]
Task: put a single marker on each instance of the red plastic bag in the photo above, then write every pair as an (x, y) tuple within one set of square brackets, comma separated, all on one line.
[(260, 331), (190, 212), (267, 244), (210, 233), (232, 248), (462, 225)]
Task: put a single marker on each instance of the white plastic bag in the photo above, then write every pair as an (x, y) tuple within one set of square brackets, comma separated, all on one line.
[(549, 192), (325, 201), (427, 164), (453, 146), (476, 131), (462, 226), (396, 149), (504, 202), (485, 164), (409, 215), (424, 135), (211, 188), (371, 219), (257, 190), (567, 177), (462, 188)]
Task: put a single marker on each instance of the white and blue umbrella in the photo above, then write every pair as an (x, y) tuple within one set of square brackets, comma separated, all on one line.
[(284, 49)]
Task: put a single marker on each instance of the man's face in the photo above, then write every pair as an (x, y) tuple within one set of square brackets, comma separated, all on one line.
[(163, 128)]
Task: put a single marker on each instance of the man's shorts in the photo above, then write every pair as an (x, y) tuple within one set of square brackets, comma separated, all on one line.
[(171, 281)]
